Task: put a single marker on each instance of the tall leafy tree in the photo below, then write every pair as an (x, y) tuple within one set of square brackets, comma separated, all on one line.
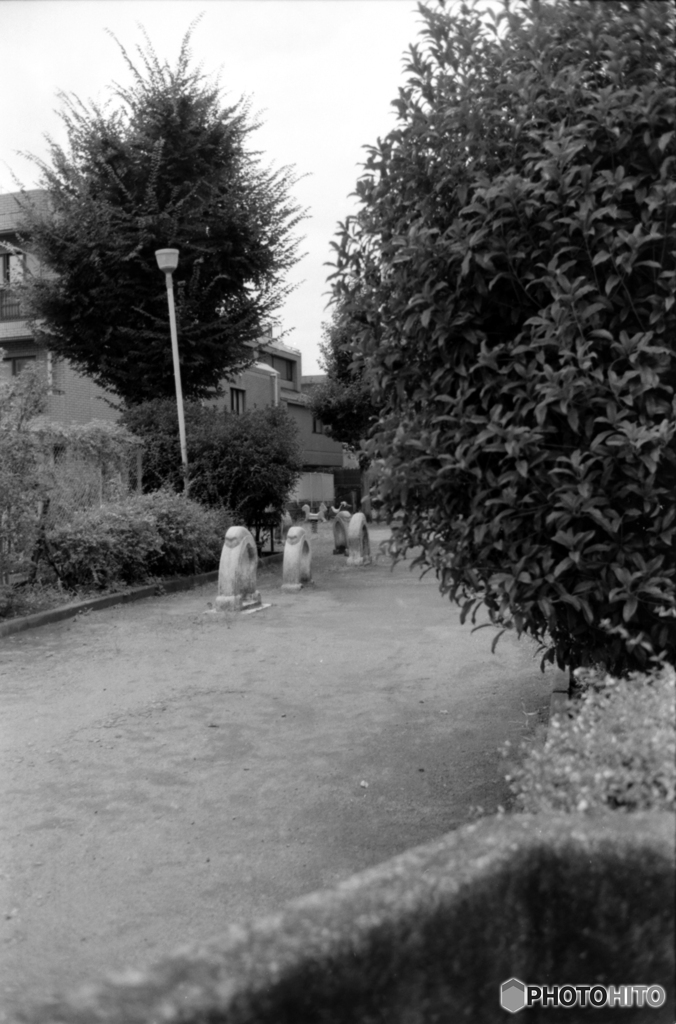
[(163, 165), (514, 264), (343, 402)]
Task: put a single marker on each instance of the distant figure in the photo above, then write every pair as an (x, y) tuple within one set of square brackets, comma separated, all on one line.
[(322, 512)]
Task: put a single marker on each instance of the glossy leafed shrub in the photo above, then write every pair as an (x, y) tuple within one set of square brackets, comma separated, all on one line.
[(514, 261), (616, 752)]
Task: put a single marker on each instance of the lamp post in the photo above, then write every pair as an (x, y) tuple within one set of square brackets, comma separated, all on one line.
[(167, 261)]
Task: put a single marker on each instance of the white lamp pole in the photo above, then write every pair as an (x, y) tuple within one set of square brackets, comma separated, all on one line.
[(167, 261)]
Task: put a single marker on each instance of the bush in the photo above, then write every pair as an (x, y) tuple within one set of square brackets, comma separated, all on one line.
[(514, 263), (103, 547), (22, 468), (258, 466), (48, 471), (192, 536), (27, 599), (616, 752), (244, 464), (130, 541), (156, 423)]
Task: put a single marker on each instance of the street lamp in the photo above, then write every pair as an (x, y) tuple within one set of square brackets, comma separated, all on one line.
[(167, 261)]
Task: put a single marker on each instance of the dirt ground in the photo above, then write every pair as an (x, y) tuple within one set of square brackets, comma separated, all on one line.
[(166, 771)]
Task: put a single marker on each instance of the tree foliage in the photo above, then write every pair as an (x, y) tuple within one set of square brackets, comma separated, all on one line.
[(343, 402), (514, 261), (166, 165), (241, 463)]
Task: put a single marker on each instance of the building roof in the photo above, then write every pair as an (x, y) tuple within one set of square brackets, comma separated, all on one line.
[(278, 343), (12, 203), (264, 368), (295, 397)]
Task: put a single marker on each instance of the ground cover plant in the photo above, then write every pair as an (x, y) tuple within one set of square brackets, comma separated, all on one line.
[(510, 276), (616, 750), (18, 601)]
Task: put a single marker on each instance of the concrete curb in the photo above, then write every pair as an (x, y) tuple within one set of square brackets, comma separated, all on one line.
[(437, 933), (94, 604)]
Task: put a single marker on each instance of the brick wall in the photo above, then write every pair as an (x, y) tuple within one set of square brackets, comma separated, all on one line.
[(257, 386), (77, 399)]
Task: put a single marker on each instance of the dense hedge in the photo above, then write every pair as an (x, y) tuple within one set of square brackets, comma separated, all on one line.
[(159, 534), (616, 751), (514, 264)]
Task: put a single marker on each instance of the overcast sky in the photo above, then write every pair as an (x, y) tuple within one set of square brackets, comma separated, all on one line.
[(323, 72)]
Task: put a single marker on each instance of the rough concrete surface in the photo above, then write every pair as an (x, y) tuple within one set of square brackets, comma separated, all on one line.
[(431, 936), (166, 773)]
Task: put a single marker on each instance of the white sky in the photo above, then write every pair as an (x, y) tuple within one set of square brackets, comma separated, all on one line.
[(323, 72)]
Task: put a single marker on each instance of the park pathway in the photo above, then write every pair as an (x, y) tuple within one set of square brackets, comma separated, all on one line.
[(165, 771)]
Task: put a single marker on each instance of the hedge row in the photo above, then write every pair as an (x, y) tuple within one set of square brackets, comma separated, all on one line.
[(616, 750), (144, 536)]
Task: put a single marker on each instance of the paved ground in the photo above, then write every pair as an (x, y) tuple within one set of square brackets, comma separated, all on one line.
[(165, 771)]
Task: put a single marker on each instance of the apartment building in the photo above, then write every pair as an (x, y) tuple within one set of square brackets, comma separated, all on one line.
[(73, 398), (276, 379)]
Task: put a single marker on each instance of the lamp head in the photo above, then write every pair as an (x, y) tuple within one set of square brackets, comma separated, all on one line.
[(167, 260)]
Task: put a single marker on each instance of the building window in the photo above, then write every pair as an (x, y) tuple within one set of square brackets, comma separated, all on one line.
[(284, 367), (10, 307), (317, 426), (18, 363), (11, 273), (237, 400)]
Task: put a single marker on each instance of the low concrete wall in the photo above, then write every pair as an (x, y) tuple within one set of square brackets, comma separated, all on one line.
[(428, 937)]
